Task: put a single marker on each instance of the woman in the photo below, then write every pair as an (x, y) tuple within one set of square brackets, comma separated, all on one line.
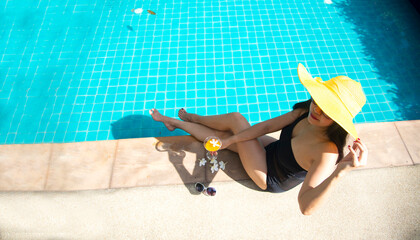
[(312, 139)]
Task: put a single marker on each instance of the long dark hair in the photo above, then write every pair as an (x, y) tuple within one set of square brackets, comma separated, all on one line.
[(335, 132)]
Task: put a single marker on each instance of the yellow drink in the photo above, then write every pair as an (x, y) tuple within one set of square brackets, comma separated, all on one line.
[(212, 144)]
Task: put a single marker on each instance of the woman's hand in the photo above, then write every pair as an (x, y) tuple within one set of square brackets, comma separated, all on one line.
[(357, 157)]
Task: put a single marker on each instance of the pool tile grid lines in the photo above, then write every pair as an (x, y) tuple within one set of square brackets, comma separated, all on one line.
[(225, 56)]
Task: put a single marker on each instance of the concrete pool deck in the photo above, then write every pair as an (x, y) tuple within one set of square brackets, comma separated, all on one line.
[(142, 189)]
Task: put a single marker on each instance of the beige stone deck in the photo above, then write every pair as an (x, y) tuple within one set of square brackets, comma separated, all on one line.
[(164, 161)]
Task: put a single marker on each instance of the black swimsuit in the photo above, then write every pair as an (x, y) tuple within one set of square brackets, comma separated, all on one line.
[(283, 172)]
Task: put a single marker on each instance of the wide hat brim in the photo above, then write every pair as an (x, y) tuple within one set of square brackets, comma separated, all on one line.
[(328, 100)]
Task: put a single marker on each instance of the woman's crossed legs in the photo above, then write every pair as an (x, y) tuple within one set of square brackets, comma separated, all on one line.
[(251, 152)]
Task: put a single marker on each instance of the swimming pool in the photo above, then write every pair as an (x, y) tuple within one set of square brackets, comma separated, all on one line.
[(90, 70)]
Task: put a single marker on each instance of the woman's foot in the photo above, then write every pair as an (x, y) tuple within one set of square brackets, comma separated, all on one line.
[(183, 115), (160, 118)]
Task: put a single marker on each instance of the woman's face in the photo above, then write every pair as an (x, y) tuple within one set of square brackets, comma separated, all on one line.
[(317, 117)]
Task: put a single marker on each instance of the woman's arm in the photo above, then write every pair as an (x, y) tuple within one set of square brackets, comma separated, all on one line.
[(318, 184), (263, 128)]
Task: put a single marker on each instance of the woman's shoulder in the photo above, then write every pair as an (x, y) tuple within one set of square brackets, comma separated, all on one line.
[(299, 112), (325, 151), (329, 146)]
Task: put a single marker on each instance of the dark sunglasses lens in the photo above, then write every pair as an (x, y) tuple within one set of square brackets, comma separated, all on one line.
[(211, 191), (199, 187)]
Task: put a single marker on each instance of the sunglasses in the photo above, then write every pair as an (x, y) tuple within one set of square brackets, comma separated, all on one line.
[(316, 105), (210, 191)]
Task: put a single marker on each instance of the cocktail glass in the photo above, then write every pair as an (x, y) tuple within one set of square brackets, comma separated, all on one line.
[(212, 144)]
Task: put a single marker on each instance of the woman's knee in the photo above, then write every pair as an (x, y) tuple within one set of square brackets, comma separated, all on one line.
[(239, 119), (260, 179), (261, 184), (263, 187), (223, 134)]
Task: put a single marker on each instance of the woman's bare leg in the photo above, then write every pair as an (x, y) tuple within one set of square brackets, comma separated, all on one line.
[(200, 132), (222, 122), (251, 153)]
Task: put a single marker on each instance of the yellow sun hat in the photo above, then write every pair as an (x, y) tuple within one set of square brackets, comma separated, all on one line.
[(341, 98)]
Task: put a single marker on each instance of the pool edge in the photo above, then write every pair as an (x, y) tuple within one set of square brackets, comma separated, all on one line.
[(155, 161)]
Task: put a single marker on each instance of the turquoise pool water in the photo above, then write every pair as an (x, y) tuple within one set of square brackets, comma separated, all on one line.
[(89, 70)]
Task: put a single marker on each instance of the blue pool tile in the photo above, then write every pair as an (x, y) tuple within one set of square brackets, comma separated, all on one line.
[(85, 117), (83, 126), (48, 137), (248, 60), (118, 106), (80, 136), (93, 126), (221, 102), (263, 108), (59, 137), (72, 127), (254, 118), (265, 116), (92, 136), (40, 137)]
